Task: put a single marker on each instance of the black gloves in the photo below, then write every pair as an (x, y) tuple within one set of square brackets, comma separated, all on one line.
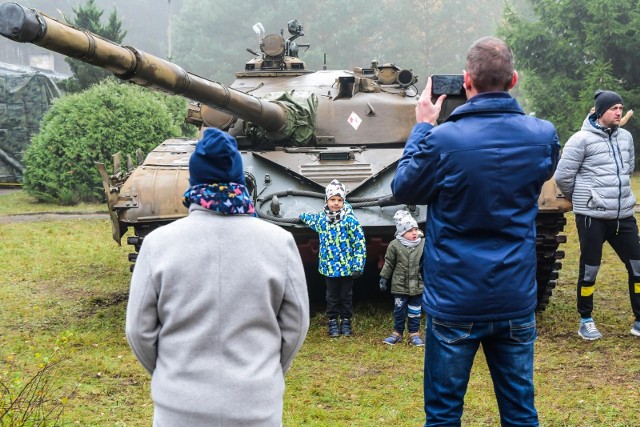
[(383, 284), (356, 274)]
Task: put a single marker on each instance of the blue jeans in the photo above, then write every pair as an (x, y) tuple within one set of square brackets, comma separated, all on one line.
[(407, 308), (450, 349)]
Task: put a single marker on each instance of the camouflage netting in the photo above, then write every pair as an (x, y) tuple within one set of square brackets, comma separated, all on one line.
[(25, 95), (301, 107)]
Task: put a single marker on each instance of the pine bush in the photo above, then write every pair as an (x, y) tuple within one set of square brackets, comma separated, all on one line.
[(90, 126)]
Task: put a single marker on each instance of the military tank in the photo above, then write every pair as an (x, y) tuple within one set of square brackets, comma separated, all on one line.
[(297, 129)]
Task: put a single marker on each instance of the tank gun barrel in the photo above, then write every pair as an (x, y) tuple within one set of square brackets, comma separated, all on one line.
[(26, 25)]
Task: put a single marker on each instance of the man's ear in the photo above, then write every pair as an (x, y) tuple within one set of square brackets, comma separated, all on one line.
[(468, 84), (514, 80)]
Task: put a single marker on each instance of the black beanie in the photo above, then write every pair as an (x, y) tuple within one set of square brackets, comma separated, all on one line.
[(605, 99)]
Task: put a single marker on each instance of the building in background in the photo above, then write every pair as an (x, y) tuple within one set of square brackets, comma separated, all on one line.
[(32, 56)]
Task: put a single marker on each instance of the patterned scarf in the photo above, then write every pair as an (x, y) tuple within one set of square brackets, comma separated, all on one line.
[(226, 198), (334, 216)]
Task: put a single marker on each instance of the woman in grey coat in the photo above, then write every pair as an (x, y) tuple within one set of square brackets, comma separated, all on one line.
[(594, 172), (218, 306)]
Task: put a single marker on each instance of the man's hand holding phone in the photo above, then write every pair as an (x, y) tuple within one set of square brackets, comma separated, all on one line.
[(426, 110)]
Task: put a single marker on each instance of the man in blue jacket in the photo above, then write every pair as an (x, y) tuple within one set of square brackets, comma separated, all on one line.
[(480, 173)]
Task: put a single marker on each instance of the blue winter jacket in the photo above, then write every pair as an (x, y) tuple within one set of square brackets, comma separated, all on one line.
[(343, 249), (480, 173)]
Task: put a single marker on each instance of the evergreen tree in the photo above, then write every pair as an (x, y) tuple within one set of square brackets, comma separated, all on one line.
[(88, 17), (568, 50)]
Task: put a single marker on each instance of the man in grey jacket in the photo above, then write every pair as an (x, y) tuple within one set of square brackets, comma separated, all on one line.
[(594, 172), (218, 306)]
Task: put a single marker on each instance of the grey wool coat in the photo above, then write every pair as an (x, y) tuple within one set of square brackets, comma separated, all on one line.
[(595, 171), (402, 266), (217, 311)]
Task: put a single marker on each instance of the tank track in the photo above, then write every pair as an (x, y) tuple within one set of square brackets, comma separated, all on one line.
[(548, 238)]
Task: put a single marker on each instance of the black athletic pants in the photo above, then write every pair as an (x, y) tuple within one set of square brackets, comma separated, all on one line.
[(622, 235)]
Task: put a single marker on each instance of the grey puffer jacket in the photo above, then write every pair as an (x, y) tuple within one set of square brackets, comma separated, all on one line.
[(595, 170), (402, 265)]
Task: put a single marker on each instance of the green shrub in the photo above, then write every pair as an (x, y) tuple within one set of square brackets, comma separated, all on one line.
[(91, 126)]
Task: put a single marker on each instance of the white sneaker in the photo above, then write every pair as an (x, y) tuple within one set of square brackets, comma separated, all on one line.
[(636, 328)]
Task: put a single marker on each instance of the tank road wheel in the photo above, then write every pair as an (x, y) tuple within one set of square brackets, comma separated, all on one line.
[(548, 227), (136, 241)]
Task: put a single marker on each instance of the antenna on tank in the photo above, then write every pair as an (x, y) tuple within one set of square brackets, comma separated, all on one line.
[(169, 53)]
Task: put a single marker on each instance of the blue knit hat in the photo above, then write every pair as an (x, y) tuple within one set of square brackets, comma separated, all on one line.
[(216, 159)]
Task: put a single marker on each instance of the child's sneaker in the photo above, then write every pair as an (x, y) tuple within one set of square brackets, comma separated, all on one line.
[(636, 328), (588, 331), (345, 327), (393, 339), (333, 328), (415, 340)]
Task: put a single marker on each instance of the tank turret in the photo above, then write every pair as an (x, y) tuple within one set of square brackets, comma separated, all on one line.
[(297, 129)]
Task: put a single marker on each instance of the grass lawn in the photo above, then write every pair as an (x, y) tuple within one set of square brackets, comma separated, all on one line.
[(63, 291)]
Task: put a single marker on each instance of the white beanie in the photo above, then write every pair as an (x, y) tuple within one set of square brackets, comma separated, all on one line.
[(404, 222), (335, 188)]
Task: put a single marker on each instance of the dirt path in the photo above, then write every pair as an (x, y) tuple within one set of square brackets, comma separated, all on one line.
[(57, 216), (7, 190), (47, 216)]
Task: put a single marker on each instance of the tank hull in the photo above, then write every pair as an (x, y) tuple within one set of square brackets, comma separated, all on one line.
[(151, 196)]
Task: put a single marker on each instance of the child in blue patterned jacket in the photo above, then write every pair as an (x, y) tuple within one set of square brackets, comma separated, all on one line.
[(342, 254)]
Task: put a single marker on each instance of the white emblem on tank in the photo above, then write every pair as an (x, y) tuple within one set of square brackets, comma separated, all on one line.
[(354, 120)]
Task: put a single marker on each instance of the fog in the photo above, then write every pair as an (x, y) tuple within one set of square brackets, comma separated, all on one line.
[(210, 37), (146, 23)]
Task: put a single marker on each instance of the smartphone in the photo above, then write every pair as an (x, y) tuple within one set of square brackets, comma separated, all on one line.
[(447, 84)]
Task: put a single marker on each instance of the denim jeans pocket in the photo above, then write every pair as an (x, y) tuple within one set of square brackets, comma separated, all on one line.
[(523, 329), (449, 331)]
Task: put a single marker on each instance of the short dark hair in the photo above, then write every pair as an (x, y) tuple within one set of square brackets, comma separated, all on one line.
[(490, 64)]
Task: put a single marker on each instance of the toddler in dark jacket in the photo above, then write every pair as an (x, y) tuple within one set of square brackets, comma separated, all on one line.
[(402, 268)]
